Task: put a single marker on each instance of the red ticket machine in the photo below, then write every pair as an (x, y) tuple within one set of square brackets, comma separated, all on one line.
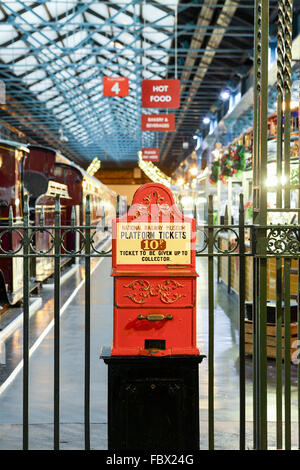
[(154, 277)]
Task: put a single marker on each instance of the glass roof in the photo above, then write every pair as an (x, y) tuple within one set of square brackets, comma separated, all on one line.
[(55, 54)]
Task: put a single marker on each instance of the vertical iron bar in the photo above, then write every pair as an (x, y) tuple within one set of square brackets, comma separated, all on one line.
[(242, 323), (256, 131), (57, 243), (280, 91), (26, 245), (210, 323), (118, 206), (279, 353), (254, 339), (287, 354), (288, 12), (226, 222), (87, 372), (262, 83)]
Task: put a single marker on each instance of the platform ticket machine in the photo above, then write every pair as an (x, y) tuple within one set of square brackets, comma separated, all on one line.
[(153, 365), (153, 257)]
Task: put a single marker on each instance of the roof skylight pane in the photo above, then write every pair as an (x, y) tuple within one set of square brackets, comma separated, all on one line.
[(155, 36), (13, 51), (38, 74), (42, 85), (47, 95), (25, 65), (58, 8), (11, 6), (100, 9), (43, 37), (121, 18)]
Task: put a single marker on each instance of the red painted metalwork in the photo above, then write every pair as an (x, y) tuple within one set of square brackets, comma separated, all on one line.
[(154, 301)]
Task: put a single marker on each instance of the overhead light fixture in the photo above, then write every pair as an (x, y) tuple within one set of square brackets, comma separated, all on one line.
[(118, 45), (206, 120), (62, 137), (94, 166), (193, 170), (225, 95), (198, 138)]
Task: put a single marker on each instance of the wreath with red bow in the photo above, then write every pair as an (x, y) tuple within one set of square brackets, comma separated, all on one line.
[(232, 163)]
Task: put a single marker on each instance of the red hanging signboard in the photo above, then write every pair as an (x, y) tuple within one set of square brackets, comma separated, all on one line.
[(161, 93), (150, 155), (158, 122), (115, 86)]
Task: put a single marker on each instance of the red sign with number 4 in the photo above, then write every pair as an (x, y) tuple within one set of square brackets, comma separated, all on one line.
[(115, 86)]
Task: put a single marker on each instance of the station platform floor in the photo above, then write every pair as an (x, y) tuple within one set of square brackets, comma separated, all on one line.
[(72, 375)]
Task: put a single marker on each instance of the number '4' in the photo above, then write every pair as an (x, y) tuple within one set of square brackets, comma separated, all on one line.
[(116, 88)]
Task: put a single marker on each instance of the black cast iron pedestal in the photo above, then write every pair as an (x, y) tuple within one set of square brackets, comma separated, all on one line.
[(153, 402)]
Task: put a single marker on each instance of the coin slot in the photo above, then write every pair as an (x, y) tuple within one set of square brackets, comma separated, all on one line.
[(155, 344)]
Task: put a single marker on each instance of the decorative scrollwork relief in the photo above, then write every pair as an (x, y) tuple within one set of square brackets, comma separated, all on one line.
[(154, 198), (233, 243), (142, 291), (283, 240), (202, 241)]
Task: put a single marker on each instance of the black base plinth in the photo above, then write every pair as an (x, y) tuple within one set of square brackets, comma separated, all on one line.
[(153, 402)]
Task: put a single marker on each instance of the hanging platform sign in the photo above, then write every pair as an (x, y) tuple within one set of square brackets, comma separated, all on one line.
[(150, 155), (158, 122), (115, 86), (161, 94)]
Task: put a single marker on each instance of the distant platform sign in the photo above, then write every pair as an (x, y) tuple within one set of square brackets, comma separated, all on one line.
[(115, 86), (161, 93), (150, 154), (153, 243), (158, 122)]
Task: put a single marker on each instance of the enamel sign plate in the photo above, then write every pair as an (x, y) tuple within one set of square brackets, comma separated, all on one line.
[(150, 154), (115, 86), (158, 122), (161, 93), (153, 243)]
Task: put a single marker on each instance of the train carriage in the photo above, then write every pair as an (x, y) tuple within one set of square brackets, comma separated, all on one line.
[(12, 156), (43, 173)]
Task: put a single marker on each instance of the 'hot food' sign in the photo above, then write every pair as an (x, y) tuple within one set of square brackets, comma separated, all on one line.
[(161, 93)]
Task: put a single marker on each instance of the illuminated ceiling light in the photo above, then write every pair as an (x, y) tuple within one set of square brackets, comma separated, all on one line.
[(225, 95), (180, 181), (198, 139), (153, 172), (94, 166), (193, 170), (206, 120)]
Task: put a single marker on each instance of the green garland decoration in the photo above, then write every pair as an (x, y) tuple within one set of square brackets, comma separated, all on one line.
[(232, 163), (214, 174)]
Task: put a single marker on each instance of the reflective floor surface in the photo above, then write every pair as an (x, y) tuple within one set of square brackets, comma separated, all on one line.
[(72, 371)]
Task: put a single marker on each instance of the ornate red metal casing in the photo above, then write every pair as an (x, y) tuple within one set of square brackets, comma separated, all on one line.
[(153, 255)]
